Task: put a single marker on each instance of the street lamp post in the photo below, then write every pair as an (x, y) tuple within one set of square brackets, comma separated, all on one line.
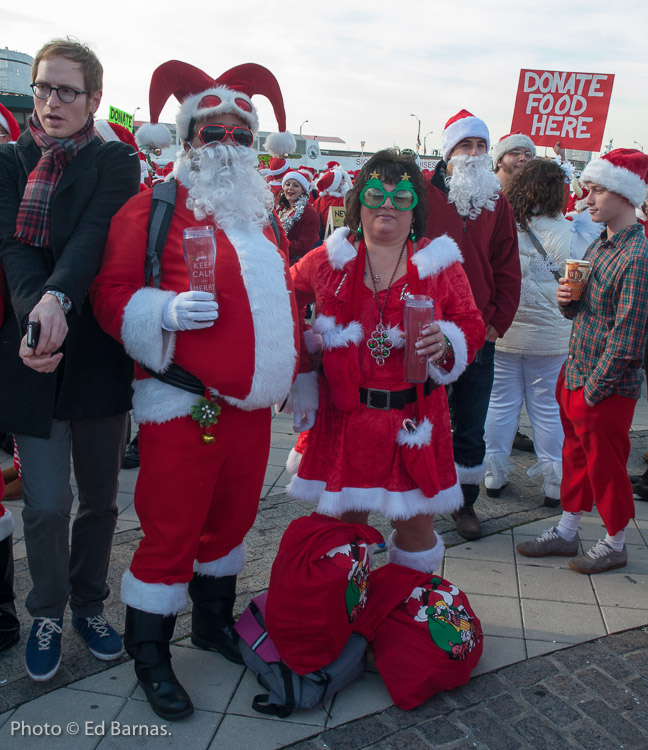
[(418, 135), (425, 141), (301, 126), (638, 144)]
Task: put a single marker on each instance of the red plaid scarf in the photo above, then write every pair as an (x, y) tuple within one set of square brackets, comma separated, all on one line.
[(34, 215)]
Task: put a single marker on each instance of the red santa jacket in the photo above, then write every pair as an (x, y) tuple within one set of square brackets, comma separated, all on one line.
[(249, 357), (489, 248)]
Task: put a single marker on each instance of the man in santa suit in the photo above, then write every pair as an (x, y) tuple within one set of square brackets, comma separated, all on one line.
[(242, 349), (465, 203), (332, 186)]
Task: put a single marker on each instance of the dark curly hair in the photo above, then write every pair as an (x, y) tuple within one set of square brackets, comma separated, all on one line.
[(537, 190), (391, 165)]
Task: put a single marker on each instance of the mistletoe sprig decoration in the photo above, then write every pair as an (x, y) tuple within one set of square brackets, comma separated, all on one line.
[(205, 412)]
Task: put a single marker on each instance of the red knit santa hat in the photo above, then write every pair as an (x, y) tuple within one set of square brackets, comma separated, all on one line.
[(8, 122), (623, 171), (462, 125), (202, 96)]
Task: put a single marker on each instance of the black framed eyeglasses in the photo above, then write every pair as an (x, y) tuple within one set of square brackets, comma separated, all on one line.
[(66, 94), (218, 133)]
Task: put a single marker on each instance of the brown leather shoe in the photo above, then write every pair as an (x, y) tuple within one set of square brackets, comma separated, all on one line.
[(468, 525), (9, 474), (14, 490)]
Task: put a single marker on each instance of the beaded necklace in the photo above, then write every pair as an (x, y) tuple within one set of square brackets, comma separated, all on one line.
[(379, 342)]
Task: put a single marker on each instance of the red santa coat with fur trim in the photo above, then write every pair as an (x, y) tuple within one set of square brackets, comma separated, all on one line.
[(362, 459), (255, 301)]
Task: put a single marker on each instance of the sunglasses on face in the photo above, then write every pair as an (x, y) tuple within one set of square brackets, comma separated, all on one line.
[(218, 133), (403, 197)]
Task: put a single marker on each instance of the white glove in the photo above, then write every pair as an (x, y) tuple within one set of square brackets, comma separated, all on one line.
[(189, 311), (304, 420)]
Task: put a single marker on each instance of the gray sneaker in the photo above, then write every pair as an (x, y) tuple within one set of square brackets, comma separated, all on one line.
[(600, 558), (549, 543)]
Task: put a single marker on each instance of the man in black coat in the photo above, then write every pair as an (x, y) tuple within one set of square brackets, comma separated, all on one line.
[(59, 188)]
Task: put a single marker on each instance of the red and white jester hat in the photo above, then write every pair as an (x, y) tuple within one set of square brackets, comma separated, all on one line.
[(202, 96), (623, 171)]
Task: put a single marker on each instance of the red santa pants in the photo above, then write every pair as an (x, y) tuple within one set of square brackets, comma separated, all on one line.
[(197, 501), (595, 456)]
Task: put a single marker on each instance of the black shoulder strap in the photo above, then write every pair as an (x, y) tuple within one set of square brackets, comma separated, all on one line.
[(162, 207), (538, 246), (275, 228)]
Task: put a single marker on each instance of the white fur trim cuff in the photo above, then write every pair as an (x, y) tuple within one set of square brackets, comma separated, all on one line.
[(422, 436), (339, 248), (230, 565), (470, 474), (293, 461), (427, 560), (616, 179), (394, 333), (395, 506), (335, 335), (144, 338), (456, 337), (441, 253), (7, 524), (304, 394), (157, 598), (155, 402)]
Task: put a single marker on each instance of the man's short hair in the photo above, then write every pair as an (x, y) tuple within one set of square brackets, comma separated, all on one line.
[(79, 53)]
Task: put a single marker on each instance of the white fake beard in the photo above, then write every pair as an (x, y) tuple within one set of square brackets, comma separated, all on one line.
[(473, 185), (223, 182)]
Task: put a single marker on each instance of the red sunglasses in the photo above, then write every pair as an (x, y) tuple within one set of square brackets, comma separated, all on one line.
[(218, 133)]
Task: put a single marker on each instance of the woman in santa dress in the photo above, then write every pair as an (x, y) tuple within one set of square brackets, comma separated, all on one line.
[(299, 219), (380, 443)]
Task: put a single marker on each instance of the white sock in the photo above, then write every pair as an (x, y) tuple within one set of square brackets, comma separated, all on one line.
[(568, 525), (616, 541)]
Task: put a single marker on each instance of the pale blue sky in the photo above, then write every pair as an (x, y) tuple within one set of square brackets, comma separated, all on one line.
[(358, 69)]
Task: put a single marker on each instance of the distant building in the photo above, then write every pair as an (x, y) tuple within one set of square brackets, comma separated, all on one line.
[(15, 77)]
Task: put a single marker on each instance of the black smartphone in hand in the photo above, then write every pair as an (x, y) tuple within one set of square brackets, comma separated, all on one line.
[(33, 332)]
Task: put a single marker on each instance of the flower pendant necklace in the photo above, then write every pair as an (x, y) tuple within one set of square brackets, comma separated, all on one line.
[(379, 342)]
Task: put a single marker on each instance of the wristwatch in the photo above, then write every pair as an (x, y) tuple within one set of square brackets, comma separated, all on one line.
[(64, 301)]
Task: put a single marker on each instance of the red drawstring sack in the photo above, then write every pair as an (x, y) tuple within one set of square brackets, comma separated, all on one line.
[(318, 589), (423, 632)]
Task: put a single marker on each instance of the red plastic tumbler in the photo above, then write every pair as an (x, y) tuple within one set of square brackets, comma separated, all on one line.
[(418, 313)]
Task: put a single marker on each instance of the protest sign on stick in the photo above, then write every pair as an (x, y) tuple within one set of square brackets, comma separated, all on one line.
[(556, 106)]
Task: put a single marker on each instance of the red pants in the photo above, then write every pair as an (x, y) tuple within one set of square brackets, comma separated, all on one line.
[(595, 456), (197, 501)]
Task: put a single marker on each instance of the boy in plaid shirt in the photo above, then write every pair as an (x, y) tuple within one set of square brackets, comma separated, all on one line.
[(601, 381)]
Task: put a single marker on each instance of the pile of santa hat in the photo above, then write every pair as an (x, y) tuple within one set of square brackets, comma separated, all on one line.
[(8, 122), (202, 96), (511, 141), (623, 171)]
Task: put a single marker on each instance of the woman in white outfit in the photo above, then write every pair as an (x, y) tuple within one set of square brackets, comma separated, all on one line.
[(529, 356)]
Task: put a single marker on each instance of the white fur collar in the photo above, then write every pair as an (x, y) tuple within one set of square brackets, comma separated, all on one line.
[(441, 253), (340, 249)]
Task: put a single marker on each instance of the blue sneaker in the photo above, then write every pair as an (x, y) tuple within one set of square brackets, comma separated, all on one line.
[(101, 638), (43, 652)]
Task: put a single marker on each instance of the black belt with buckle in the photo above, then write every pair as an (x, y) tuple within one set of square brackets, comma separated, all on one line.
[(374, 398)]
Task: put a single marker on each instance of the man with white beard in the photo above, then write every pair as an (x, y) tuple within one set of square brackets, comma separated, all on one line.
[(208, 370), (465, 202)]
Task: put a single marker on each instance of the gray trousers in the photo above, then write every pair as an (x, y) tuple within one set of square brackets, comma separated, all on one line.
[(61, 568)]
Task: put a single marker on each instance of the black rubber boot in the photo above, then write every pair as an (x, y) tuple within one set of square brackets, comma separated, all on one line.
[(147, 640), (212, 619), (9, 625)]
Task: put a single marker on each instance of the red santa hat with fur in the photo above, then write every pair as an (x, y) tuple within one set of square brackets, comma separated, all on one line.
[(8, 123), (335, 182), (462, 125)]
